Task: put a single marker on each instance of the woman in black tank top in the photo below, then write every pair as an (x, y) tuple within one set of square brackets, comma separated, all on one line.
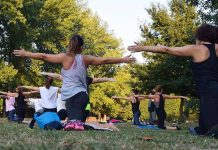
[(205, 71), (159, 101), (135, 103), (20, 106), (19, 101)]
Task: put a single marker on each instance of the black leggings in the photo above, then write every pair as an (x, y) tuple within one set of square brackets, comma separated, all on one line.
[(76, 105), (161, 116), (208, 110), (21, 113), (62, 114)]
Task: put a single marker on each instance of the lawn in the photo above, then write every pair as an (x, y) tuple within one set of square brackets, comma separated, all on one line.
[(19, 136)]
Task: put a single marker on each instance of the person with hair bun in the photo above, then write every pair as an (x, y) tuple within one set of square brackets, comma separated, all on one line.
[(204, 56), (74, 66)]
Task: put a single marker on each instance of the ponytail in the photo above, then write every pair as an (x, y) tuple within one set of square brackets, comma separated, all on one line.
[(75, 44)]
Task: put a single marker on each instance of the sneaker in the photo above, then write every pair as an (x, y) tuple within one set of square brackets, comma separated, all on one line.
[(74, 125), (69, 126), (78, 125)]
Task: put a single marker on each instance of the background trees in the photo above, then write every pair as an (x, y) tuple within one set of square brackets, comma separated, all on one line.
[(46, 25)]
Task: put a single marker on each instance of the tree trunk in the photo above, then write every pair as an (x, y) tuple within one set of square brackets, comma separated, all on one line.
[(181, 114)]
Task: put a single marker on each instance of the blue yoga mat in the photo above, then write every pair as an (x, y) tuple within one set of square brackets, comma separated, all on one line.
[(148, 127)]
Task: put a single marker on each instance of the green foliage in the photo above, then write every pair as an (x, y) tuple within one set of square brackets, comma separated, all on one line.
[(7, 74), (173, 27), (192, 109), (46, 26), (207, 10), (101, 94)]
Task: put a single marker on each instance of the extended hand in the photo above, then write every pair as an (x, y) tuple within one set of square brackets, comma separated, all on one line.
[(20, 53), (111, 80), (43, 73), (186, 98), (129, 59), (135, 48)]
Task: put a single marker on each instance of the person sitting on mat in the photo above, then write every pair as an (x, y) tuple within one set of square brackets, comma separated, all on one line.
[(49, 95)]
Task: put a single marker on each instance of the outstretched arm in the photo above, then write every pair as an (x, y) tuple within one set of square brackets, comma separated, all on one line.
[(121, 98), (146, 96), (31, 88), (177, 51), (2, 96), (9, 94), (174, 97), (53, 75), (29, 93), (91, 60), (101, 80), (53, 58)]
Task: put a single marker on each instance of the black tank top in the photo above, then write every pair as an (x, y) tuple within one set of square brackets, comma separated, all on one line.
[(161, 102), (206, 72), (135, 106), (20, 101)]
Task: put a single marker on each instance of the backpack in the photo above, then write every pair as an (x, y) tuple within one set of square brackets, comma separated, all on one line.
[(48, 120)]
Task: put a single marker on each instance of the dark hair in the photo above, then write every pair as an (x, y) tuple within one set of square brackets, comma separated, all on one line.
[(135, 91), (75, 44), (152, 92), (207, 33), (20, 90), (158, 88), (49, 81)]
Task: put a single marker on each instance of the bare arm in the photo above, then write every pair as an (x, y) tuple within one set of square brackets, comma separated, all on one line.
[(29, 93), (31, 88), (146, 96), (9, 94), (2, 96), (101, 80), (121, 98), (91, 60), (5, 93), (174, 97), (53, 58), (177, 51), (53, 75)]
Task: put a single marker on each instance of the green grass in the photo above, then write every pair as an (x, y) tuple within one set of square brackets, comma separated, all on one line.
[(18, 136)]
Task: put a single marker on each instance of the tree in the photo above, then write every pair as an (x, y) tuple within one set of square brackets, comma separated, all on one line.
[(208, 10), (172, 28), (100, 95), (46, 26)]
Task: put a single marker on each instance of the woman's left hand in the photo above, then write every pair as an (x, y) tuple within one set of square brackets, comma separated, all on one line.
[(20, 53)]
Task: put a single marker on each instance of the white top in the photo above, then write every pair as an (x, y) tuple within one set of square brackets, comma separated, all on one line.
[(35, 103), (60, 103), (49, 97)]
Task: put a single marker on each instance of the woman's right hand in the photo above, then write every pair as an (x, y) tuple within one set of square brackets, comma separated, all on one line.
[(129, 59)]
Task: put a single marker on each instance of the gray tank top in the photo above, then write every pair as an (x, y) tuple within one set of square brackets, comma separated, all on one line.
[(74, 79)]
